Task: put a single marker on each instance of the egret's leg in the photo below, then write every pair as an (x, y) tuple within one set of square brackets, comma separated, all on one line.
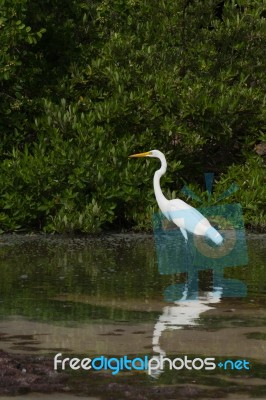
[(189, 253), (184, 233)]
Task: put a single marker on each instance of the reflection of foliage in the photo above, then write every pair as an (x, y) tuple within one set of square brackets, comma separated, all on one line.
[(218, 383), (84, 84), (35, 270), (256, 335), (101, 268)]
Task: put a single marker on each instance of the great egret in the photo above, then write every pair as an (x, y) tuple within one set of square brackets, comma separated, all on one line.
[(187, 218)]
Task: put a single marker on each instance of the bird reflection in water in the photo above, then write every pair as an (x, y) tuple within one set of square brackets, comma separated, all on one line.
[(186, 301), (181, 313)]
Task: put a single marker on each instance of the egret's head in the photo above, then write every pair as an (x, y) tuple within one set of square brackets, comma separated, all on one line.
[(152, 153)]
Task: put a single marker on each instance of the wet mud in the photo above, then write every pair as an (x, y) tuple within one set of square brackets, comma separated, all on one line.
[(31, 376)]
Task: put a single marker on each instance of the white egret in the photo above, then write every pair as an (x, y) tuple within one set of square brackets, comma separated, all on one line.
[(187, 218)]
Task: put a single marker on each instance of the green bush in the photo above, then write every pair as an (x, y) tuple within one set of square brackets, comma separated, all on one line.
[(251, 181), (184, 77)]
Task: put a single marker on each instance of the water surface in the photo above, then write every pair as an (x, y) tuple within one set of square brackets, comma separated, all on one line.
[(106, 296)]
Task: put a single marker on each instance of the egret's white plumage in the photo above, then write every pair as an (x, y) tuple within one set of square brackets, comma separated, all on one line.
[(187, 218)]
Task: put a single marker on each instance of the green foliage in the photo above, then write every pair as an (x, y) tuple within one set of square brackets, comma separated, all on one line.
[(18, 66), (114, 77), (251, 179), (242, 183)]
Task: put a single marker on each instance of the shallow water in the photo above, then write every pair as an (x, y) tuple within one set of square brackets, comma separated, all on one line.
[(111, 296)]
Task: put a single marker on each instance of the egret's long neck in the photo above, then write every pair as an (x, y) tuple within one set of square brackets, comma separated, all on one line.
[(161, 199)]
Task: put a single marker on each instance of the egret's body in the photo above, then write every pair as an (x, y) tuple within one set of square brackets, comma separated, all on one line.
[(187, 218)]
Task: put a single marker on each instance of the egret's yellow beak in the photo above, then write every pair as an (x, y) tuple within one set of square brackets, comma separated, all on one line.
[(148, 153)]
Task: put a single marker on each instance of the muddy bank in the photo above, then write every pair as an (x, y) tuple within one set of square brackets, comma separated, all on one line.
[(21, 374), (31, 376)]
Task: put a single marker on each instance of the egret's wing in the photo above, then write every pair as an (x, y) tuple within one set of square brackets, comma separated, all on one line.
[(178, 205), (187, 217)]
